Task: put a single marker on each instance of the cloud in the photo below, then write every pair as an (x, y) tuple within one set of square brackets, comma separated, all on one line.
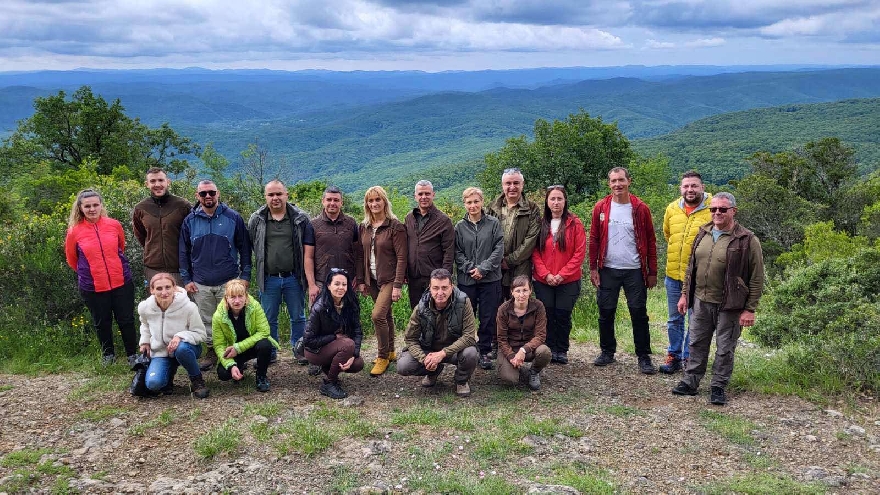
[(705, 43), (659, 45)]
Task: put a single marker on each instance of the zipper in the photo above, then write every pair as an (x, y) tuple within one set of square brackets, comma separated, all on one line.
[(103, 256)]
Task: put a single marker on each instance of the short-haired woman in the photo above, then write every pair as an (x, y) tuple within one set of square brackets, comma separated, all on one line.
[(522, 329), (333, 334), (95, 249), (171, 334), (241, 333)]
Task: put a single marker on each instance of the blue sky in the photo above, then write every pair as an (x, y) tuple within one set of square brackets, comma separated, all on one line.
[(433, 35)]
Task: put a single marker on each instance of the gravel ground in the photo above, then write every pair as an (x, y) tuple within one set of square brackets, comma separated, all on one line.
[(636, 435)]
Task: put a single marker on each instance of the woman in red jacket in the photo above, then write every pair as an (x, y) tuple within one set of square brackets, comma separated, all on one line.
[(556, 261), (95, 247)]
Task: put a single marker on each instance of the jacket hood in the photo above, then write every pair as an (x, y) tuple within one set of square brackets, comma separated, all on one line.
[(198, 211), (703, 204)]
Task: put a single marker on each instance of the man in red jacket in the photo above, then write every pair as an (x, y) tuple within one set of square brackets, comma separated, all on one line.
[(623, 253)]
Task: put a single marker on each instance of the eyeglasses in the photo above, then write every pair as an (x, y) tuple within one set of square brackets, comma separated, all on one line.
[(719, 209), (203, 194)]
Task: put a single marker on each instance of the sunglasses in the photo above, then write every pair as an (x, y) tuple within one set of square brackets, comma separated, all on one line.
[(556, 186), (719, 209), (203, 194), (335, 271)]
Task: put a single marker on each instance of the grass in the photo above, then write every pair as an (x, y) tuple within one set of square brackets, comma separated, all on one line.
[(24, 457), (761, 484), (622, 411), (102, 413), (582, 477), (164, 418), (305, 436), (223, 439), (736, 430), (344, 480), (265, 409), (98, 384), (29, 471), (6, 387)]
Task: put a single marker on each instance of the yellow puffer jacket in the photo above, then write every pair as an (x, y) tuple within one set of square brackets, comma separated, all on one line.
[(680, 229)]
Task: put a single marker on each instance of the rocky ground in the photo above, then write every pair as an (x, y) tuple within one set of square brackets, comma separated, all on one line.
[(590, 429)]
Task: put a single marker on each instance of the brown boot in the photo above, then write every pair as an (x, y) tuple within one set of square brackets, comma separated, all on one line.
[(209, 361), (198, 387)]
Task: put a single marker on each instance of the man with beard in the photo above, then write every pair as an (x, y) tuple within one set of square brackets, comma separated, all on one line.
[(156, 224), (682, 221)]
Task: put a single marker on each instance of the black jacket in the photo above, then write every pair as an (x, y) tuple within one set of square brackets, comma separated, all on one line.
[(323, 325)]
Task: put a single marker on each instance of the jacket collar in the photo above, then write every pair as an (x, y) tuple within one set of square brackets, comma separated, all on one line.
[(221, 207), (703, 204), (530, 308)]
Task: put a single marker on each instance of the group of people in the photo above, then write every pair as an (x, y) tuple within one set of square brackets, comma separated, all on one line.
[(470, 283)]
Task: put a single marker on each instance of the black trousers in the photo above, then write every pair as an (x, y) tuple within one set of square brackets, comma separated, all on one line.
[(559, 302), (485, 298), (104, 306), (611, 280), (262, 351)]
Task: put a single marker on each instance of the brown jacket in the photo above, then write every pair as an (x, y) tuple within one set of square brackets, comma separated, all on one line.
[(743, 280), (431, 247), (518, 246), (337, 245), (390, 254), (512, 334), (156, 224)]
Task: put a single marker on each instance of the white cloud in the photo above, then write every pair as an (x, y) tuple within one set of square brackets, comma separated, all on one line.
[(704, 43), (659, 45)]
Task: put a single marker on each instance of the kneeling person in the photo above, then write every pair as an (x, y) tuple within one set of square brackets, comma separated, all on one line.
[(241, 333), (333, 335), (441, 331), (522, 330)]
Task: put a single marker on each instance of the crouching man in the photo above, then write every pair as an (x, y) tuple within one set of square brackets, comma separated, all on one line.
[(441, 331)]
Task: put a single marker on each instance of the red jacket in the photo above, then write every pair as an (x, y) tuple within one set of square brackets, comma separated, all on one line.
[(95, 251), (643, 225), (566, 263)]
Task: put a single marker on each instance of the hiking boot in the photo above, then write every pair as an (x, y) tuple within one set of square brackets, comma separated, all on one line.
[(273, 358), (604, 359), (534, 379), (392, 356), (671, 365), (333, 390), (717, 396), (262, 383), (314, 370), (524, 374), (645, 365), (429, 381), (168, 389), (198, 388), (299, 352), (463, 389), (684, 389), (485, 362), (108, 359), (554, 357), (562, 357), (379, 366), (132, 359), (493, 354), (209, 361)]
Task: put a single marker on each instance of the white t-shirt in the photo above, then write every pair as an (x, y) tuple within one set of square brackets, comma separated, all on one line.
[(622, 252), (554, 225)]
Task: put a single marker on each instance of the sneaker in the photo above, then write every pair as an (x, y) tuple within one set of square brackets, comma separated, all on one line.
[(554, 357), (198, 387), (332, 390), (671, 365), (684, 389), (645, 365), (562, 357), (108, 359), (209, 361), (299, 349), (463, 389), (534, 380), (262, 383), (485, 362), (429, 381), (314, 370), (604, 359), (717, 396), (379, 366)]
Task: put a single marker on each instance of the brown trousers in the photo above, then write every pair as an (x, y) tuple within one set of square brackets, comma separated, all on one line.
[(383, 320), (334, 354), (706, 319), (539, 358)]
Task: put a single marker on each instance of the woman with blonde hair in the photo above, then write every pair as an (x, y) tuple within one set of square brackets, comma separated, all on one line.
[(241, 333), (95, 250), (381, 275), (171, 333)]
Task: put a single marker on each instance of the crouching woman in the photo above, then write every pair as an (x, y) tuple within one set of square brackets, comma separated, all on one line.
[(522, 330), (333, 335), (241, 333), (171, 334)]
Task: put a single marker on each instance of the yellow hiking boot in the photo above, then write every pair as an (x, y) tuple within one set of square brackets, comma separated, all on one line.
[(379, 367)]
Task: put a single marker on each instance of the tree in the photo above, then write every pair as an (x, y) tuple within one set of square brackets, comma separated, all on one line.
[(577, 153), (67, 132)]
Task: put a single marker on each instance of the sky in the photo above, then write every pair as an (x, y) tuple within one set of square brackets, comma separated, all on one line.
[(434, 35)]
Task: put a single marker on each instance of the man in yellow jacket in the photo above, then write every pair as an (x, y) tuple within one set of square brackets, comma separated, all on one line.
[(681, 222)]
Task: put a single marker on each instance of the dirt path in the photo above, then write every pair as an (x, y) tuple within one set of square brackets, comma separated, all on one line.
[(594, 429)]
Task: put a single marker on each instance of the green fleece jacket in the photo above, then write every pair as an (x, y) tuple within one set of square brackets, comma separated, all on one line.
[(224, 333)]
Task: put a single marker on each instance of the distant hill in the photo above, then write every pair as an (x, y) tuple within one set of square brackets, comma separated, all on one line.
[(717, 146)]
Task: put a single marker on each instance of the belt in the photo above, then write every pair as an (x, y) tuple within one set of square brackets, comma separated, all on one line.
[(281, 274)]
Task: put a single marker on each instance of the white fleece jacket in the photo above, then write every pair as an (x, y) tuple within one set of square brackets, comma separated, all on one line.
[(181, 319)]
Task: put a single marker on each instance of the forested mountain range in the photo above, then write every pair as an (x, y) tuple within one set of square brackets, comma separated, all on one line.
[(360, 128)]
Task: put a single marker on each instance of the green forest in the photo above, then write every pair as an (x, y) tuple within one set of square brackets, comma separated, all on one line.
[(812, 201)]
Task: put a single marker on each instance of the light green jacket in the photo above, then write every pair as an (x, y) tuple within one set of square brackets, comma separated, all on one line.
[(224, 333)]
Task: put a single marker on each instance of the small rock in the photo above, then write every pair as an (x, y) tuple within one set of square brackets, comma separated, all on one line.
[(642, 480), (553, 489), (353, 401), (815, 473), (834, 481), (854, 430), (874, 448), (810, 438), (141, 460), (116, 422), (260, 419), (860, 476), (533, 440), (833, 413)]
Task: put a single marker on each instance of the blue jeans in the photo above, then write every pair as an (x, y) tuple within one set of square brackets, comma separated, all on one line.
[(162, 369), (675, 326), (290, 290)]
